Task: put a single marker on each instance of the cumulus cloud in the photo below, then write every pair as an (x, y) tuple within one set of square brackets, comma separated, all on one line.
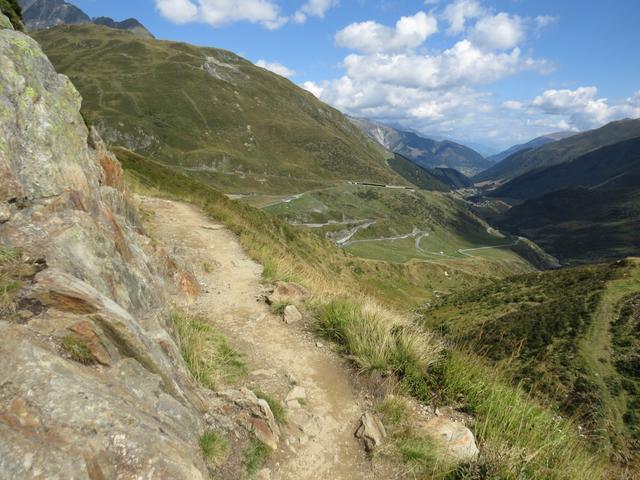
[(313, 8), (459, 12), (369, 37), (498, 32), (393, 75), (276, 67), (582, 108), (222, 12), (178, 11)]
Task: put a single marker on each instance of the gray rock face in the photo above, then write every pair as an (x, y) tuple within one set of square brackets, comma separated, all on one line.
[(39, 14), (124, 405)]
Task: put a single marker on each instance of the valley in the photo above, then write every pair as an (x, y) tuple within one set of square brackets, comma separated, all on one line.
[(212, 268)]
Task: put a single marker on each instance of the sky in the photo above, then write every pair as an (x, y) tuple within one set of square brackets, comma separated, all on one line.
[(488, 73)]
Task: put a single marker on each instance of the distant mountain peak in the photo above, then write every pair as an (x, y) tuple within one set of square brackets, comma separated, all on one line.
[(423, 151), (42, 14)]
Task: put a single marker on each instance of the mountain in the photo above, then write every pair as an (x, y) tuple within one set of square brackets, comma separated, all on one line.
[(584, 210), (239, 127), (451, 177), (426, 179), (425, 152), (130, 24), (530, 145), (560, 151), (42, 14), (618, 163), (39, 14)]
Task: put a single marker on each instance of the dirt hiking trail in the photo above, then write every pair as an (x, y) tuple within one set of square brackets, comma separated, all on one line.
[(318, 441)]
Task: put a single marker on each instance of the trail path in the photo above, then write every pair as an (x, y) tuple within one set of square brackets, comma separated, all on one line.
[(319, 441)]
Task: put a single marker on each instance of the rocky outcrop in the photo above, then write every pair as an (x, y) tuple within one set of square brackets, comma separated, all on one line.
[(92, 383)]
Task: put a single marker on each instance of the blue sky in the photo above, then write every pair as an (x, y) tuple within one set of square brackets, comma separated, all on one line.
[(484, 72)]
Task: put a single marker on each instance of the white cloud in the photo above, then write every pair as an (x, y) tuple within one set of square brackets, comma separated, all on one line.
[(314, 88), (513, 105), (582, 109), (499, 32), (222, 12), (178, 11), (276, 67), (314, 8), (543, 21), (370, 37), (458, 12)]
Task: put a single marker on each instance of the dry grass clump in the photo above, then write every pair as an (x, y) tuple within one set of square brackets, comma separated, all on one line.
[(208, 355)]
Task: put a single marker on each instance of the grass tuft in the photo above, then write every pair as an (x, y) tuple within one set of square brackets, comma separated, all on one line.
[(208, 355), (214, 447), (276, 407), (256, 455), (78, 349)]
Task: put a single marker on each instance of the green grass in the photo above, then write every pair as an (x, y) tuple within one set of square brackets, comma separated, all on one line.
[(208, 355), (78, 349), (10, 281), (565, 336), (256, 455), (242, 129), (214, 447), (276, 407)]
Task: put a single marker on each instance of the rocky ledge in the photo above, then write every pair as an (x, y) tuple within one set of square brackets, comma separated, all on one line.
[(92, 383)]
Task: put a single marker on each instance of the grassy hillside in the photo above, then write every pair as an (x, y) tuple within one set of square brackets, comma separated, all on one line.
[(614, 163), (581, 225), (561, 151), (238, 127), (421, 177), (569, 336)]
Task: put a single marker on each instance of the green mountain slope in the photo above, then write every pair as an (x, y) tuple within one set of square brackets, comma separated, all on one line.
[(531, 144), (615, 163), (567, 335), (581, 225), (561, 151), (234, 125), (425, 152), (421, 177)]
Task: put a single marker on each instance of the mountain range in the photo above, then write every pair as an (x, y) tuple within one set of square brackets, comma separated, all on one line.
[(583, 207), (42, 14), (559, 151), (535, 143), (426, 152)]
